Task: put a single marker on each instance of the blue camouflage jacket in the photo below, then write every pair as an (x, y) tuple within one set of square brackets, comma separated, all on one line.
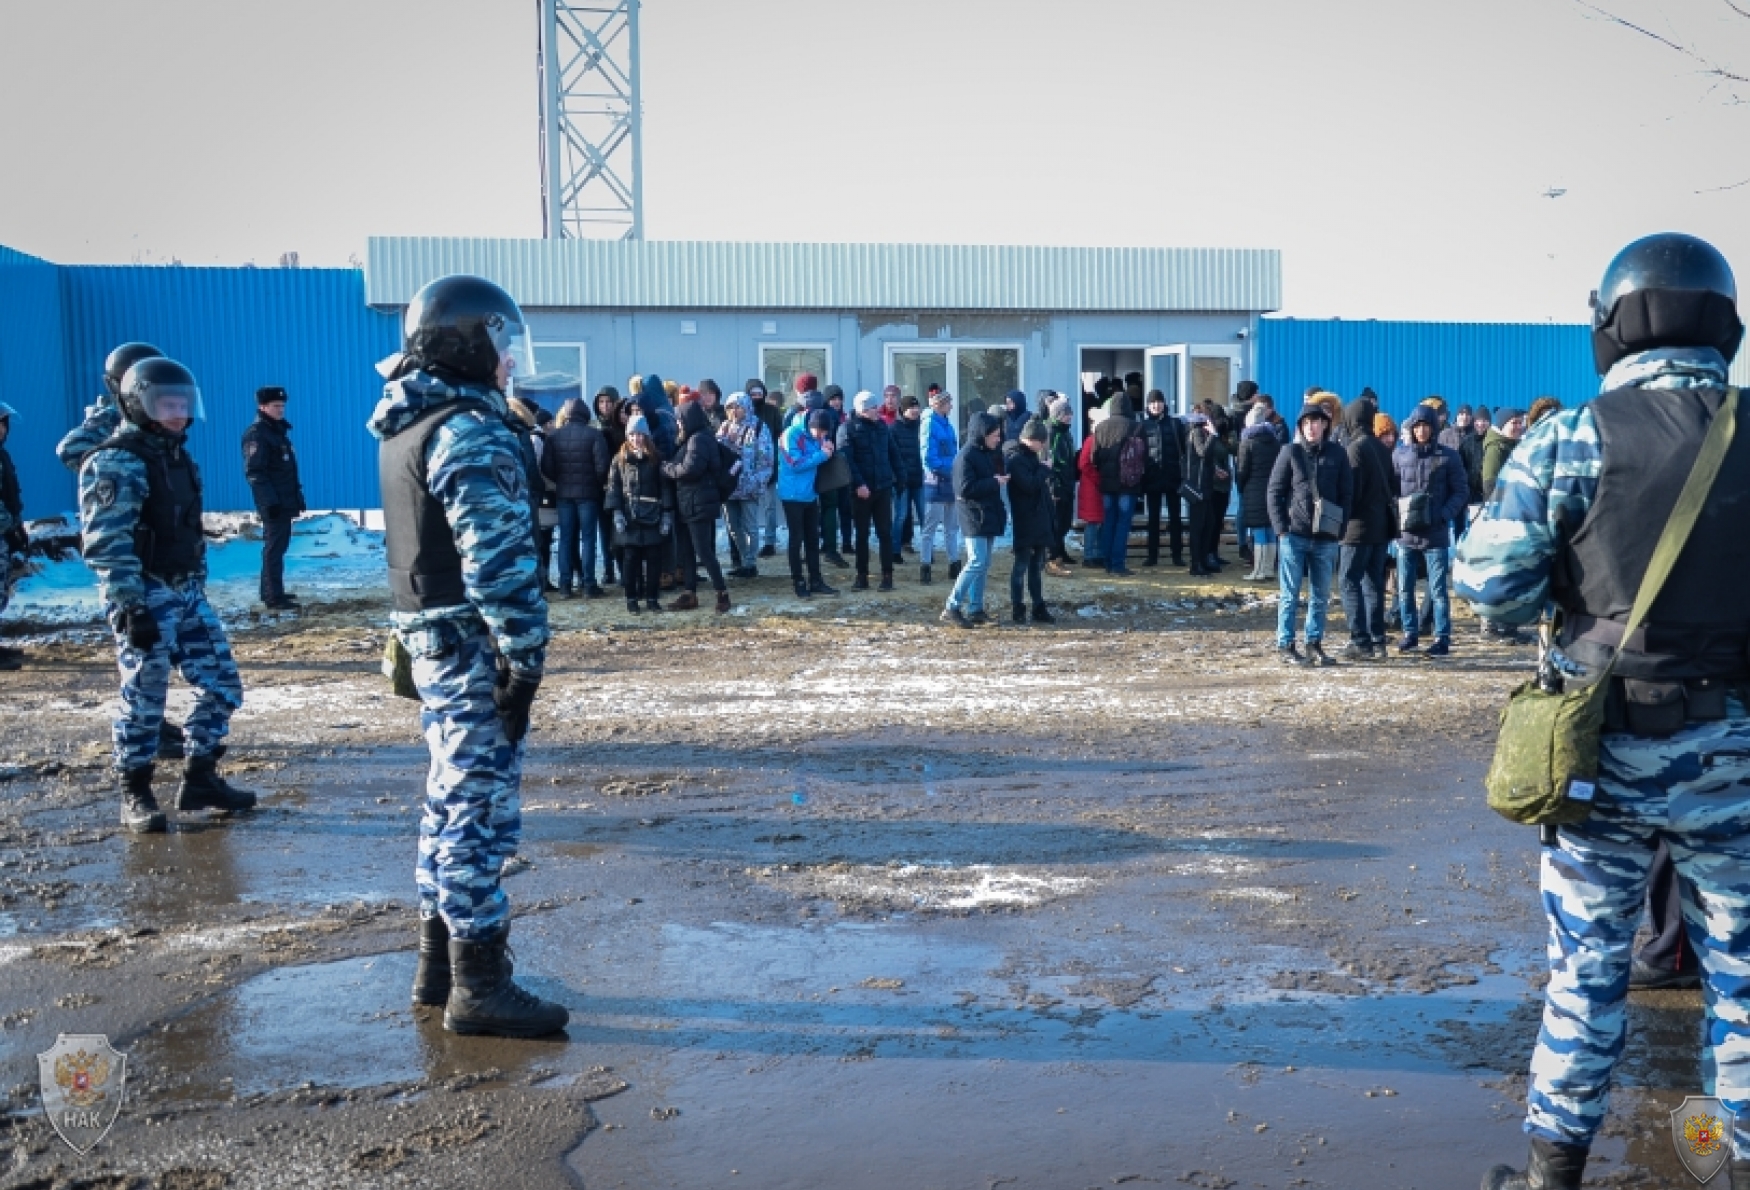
[(113, 486), (493, 527), (102, 420), (1547, 487)]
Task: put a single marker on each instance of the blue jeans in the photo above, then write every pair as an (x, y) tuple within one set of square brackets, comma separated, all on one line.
[(1437, 595), (1304, 559), (578, 523), (968, 592), (1115, 530), (908, 512), (1361, 584)]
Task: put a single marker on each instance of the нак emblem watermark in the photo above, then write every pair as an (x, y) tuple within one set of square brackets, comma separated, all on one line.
[(1702, 1131), (83, 1077)]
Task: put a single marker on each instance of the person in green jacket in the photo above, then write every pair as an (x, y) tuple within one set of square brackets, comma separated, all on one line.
[(1498, 445)]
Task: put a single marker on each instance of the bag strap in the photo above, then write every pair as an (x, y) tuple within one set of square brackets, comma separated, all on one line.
[(1683, 516)]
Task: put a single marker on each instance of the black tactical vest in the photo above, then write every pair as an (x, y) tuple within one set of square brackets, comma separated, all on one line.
[(425, 569), (168, 540), (1699, 627)]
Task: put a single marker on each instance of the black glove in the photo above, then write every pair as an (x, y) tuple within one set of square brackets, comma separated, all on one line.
[(514, 695), (17, 540), (667, 523), (141, 628), (620, 523)]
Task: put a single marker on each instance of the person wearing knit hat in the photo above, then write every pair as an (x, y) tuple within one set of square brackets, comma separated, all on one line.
[(865, 402), (575, 462), (640, 505), (876, 468), (1030, 506), (807, 382), (1499, 443), (1540, 409), (908, 487), (1385, 429), (1311, 476), (803, 447)]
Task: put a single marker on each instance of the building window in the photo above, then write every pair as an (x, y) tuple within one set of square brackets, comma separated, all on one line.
[(559, 375), (979, 375), (781, 363)]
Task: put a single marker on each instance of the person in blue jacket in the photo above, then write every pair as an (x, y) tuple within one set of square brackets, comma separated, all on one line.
[(802, 449)]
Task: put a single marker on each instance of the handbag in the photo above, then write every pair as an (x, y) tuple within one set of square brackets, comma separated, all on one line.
[(1413, 514), (833, 474), (1189, 492), (1328, 518), (1545, 767)]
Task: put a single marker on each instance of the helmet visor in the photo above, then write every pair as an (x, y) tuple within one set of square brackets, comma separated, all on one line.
[(171, 402), (511, 339)]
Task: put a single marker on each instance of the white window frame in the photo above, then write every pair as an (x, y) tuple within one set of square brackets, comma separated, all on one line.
[(951, 349), (826, 347), (1183, 353), (582, 359)]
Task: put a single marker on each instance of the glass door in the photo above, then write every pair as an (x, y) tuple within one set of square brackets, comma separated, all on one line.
[(978, 375), (1162, 367), (1192, 373)]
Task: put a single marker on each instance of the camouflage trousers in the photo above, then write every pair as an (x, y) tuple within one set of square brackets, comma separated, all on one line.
[(1693, 790), (194, 643), (473, 802)]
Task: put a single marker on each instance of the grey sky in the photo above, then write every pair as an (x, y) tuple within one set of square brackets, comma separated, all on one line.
[(1396, 150)]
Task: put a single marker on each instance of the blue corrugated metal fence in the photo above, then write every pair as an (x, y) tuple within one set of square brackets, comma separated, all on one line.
[(1493, 364), (33, 378)]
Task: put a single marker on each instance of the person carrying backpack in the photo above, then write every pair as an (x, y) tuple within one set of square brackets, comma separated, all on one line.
[(1121, 458)]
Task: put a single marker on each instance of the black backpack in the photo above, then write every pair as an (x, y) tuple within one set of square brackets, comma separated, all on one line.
[(728, 470)]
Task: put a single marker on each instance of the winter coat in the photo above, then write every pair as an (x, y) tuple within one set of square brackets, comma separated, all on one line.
[(799, 457), (773, 419), (1015, 417), (1029, 496), (873, 453), (1437, 471), (636, 487), (1471, 451), (271, 467), (905, 433), (652, 401), (11, 501), (979, 495), (696, 468), (1205, 454), (939, 446), (1496, 449), (1259, 447), (750, 439), (1090, 501), (1302, 471), (1062, 455), (1376, 480), (1165, 436), (576, 460), (1109, 439)]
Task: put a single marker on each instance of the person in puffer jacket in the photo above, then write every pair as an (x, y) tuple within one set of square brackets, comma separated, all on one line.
[(908, 490), (699, 501), (1311, 474), (745, 434), (873, 453), (802, 448), (575, 462), (939, 445), (978, 490), (1433, 489), (641, 503)]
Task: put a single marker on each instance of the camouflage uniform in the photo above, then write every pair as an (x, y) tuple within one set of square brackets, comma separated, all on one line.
[(112, 492), (1594, 878), (473, 818), (102, 419)]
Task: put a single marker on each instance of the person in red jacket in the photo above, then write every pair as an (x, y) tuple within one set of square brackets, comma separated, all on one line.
[(1090, 502)]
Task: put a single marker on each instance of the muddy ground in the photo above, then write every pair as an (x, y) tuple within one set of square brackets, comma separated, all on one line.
[(836, 896)]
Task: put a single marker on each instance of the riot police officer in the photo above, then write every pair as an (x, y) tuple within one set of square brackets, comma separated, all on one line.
[(1575, 519), (102, 418), (140, 526), (13, 539), (468, 608)]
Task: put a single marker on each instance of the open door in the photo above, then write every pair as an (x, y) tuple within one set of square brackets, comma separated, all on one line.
[(1191, 373)]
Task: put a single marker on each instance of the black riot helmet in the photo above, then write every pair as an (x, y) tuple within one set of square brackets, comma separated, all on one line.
[(463, 326), (156, 389), (1665, 290), (123, 358)]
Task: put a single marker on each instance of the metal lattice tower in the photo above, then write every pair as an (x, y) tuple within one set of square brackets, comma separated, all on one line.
[(592, 128)]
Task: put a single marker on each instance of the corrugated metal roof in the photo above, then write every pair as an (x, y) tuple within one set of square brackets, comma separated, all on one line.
[(631, 274), (1468, 363)]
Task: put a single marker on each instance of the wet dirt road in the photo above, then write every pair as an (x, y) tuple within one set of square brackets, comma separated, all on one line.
[(835, 898)]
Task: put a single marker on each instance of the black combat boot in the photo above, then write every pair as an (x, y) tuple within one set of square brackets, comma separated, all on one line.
[(1552, 1167), (203, 789), (140, 812), (1018, 613), (1042, 614), (431, 979), (170, 745), (485, 999), (886, 581)]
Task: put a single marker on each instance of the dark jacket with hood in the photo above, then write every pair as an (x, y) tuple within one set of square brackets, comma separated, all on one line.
[(1303, 473), (577, 456), (1205, 454), (1015, 416), (873, 453), (1029, 496), (977, 493), (1437, 471), (1470, 449), (1166, 451), (1064, 467), (652, 401), (1496, 449), (696, 468), (1259, 446), (636, 487), (1109, 439), (1376, 481)]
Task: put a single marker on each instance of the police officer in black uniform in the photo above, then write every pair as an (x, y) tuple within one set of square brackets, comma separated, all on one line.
[(271, 467)]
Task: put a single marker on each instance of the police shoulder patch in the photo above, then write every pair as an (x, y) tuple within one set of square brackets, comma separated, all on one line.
[(509, 474), (103, 493)]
